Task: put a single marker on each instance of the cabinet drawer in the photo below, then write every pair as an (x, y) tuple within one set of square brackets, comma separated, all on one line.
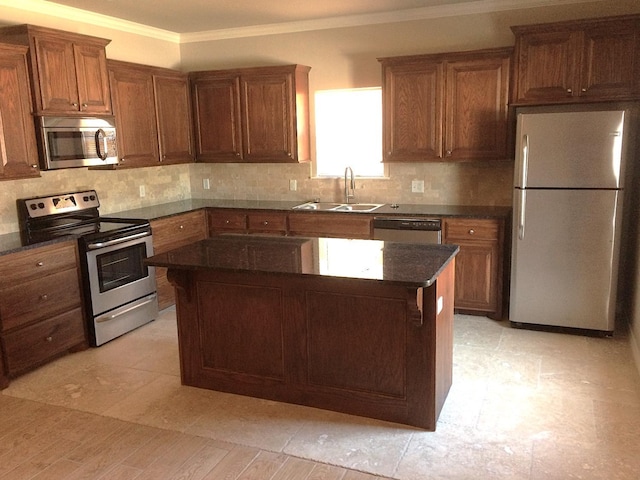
[(470, 229), (30, 346), (229, 220), (30, 264), (38, 299), (173, 232), (267, 222)]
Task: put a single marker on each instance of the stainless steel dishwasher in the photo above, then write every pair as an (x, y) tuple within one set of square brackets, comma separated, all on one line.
[(414, 230)]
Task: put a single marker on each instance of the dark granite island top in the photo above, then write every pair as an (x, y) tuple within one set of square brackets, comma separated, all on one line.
[(358, 326)]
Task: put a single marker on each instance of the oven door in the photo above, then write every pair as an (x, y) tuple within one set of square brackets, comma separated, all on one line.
[(117, 273)]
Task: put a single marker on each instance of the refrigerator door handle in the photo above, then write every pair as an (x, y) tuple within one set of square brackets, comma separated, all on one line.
[(522, 200), (525, 161)]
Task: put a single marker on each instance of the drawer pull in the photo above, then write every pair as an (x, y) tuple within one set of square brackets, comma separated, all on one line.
[(471, 231), (181, 227), (227, 222), (49, 339), (44, 296), (265, 223), (40, 264)]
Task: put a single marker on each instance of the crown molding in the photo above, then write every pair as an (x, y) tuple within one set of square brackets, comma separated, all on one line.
[(460, 9), (84, 16)]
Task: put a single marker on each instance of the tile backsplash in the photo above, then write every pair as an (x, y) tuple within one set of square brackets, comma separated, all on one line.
[(488, 183)]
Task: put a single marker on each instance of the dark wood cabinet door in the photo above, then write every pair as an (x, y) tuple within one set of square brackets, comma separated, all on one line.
[(92, 79), (216, 104), (578, 61), (478, 278), (547, 66), (611, 61), (477, 93), (174, 118), (133, 104), (268, 117), (18, 151), (412, 111), (56, 71)]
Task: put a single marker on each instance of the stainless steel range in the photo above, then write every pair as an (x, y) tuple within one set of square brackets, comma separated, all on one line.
[(120, 291)]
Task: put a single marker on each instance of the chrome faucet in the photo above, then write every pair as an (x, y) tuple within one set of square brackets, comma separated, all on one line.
[(349, 185)]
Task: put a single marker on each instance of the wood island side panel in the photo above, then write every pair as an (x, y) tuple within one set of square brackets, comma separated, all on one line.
[(354, 346)]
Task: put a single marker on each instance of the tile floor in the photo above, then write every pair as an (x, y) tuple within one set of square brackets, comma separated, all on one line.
[(524, 405)]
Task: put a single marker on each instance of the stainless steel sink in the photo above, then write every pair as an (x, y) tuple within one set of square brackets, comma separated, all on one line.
[(357, 207), (317, 206), (339, 207)]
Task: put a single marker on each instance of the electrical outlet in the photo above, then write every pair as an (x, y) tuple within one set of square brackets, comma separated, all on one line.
[(142, 191), (417, 186), (206, 184), (293, 185)]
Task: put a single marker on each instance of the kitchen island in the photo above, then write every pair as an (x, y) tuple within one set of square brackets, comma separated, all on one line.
[(363, 327)]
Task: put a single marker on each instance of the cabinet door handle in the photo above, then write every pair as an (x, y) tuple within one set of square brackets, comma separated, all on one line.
[(40, 264), (265, 223), (181, 227), (74, 104), (49, 339), (44, 296), (448, 153), (471, 231), (569, 91)]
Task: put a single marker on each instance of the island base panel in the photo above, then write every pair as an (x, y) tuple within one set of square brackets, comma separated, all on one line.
[(353, 346)]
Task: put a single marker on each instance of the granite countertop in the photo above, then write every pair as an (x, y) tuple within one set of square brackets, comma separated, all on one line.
[(11, 242), (175, 208), (413, 265)]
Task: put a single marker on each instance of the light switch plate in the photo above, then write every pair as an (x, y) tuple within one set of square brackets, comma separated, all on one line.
[(417, 186), (293, 185)]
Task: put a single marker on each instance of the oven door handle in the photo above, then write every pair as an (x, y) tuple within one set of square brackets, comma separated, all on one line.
[(106, 318), (94, 246)]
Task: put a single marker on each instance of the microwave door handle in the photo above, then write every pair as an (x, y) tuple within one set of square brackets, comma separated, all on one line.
[(101, 135)]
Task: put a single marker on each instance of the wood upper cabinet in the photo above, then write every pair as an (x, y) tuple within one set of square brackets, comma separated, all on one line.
[(479, 264), (216, 104), (68, 70), (578, 61), (446, 107), (153, 114), (252, 115), (18, 151)]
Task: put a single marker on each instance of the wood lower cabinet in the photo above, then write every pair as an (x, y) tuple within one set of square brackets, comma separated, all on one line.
[(41, 312), (153, 115), (446, 106), (577, 61), (226, 220), (350, 225), (258, 115), (173, 232), (479, 264), (18, 151), (69, 70)]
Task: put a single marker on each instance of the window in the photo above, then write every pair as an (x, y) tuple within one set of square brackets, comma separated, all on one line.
[(349, 132)]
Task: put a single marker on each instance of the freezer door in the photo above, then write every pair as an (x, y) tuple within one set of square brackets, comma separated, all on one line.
[(565, 257), (569, 149)]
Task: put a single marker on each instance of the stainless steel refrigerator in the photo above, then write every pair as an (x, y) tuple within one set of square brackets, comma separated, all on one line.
[(567, 214)]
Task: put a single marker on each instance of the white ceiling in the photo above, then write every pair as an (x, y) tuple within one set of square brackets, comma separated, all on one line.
[(192, 16)]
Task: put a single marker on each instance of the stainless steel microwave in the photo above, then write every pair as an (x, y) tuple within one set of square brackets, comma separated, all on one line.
[(68, 142)]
